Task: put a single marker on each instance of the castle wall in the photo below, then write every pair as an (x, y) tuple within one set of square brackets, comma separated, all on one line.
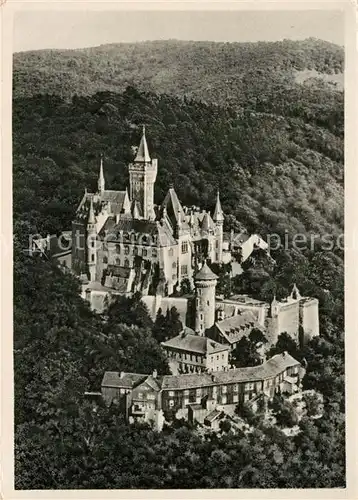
[(288, 319), (309, 318)]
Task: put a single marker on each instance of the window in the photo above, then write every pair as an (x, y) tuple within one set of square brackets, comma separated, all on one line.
[(118, 248), (151, 396), (171, 393), (198, 392), (246, 398), (249, 386), (145, 252), (174, 265), (224, 389), (184, 270), (223, 400), (222, 356), (118, 262), (208, 303), (126, 250), (186, 392), (105, 260), (122, 391), (217, 356), (154, 252), (171, 403), (186, 401), (140, 395), (212, 358), (217, 243), (92, 258), (126, 263), (174, 276), (171, 252), (235, 398), (135, 251), (236, 387), (92, 244), (184, 247)]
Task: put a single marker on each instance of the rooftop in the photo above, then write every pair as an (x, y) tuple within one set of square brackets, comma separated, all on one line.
[(205, 273), (194, 343)]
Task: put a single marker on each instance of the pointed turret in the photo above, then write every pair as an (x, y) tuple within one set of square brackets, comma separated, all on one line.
[(101, 183), (295, 294), (142, 155), (218, 213), (91, 217)]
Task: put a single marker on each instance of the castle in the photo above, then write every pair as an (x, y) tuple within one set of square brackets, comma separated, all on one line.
[(122, 240)]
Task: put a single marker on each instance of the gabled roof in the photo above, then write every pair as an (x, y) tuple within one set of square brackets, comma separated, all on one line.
[(205, 273), (194, 343), (142, 152), (236, 327), (127, 381), (269, 369), (173, 206)]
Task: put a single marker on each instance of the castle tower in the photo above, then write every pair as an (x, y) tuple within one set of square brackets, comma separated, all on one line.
[(218, 218), (91, 243), (295, 294), (142, 176), (101, 183), (205, 284)]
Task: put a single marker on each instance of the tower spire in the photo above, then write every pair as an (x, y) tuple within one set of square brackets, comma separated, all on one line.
[(101, 182), (142, 155), (218, 213)]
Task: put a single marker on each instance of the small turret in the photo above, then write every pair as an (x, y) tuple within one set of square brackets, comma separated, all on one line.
[(295, 294), (101, 182), (275, 307), (218, 213)]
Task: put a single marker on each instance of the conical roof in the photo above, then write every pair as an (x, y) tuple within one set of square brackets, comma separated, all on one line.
[(207, 223), (142, 155), (205, 273), (218, 213)]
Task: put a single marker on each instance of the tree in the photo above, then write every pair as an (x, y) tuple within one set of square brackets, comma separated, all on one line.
[(285, 343), (245, 353)]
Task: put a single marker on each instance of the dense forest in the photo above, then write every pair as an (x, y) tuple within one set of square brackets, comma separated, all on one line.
[(225, 73), (274, 148)]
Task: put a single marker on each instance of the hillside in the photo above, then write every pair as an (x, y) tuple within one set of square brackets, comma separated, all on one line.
[(276, 171), (223, 73)]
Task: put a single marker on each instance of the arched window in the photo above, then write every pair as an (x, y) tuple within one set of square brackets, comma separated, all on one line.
[(118, 248), (126, 250), (135, 251), (126, 263), (92, 257)]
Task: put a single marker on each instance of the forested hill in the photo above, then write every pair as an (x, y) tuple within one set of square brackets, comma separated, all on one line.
[(279, 168), (221, 73)]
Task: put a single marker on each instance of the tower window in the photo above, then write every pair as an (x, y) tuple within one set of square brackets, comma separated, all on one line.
[(208, 303), (92, 257)]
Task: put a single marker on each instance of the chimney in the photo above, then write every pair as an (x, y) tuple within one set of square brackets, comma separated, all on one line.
[(154, 374), (121, 375)]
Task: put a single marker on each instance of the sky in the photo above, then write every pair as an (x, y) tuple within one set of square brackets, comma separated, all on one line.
[(69, 30)]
